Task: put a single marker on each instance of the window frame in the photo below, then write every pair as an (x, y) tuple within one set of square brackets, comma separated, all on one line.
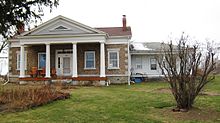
[(85, 59), (18, 62), (113, 51), (138, 63), (39, 60), (153, 63)]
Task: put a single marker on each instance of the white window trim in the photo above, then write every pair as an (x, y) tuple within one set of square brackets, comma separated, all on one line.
[(151, 64), (117, 51), (138, 62), (138, 67), (25, 62), (38, 59), (85, 60)]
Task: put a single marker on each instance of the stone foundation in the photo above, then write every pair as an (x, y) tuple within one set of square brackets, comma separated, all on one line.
[(14, 79), (111, 79), (118, 79)]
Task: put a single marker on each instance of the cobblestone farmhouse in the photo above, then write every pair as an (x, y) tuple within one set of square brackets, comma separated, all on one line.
[(62, 48)]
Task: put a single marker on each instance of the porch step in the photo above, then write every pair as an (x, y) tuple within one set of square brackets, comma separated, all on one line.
[(89, 78), (62, 80)]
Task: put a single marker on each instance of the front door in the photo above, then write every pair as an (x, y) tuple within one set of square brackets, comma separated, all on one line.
[(64, 64)]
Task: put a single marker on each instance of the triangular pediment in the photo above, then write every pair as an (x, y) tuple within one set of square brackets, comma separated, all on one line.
[(62, 26)]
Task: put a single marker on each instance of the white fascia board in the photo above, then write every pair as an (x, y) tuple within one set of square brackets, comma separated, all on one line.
[(15, 44), (60, 36), (13, 40), (122, 37), (57, 40), (117, 41), (147, 53), (63, 40)]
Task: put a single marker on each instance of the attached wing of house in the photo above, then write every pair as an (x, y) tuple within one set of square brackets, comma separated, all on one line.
[(144, 59)]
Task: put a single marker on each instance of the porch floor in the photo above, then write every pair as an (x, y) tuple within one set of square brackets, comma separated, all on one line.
[(63, 78)]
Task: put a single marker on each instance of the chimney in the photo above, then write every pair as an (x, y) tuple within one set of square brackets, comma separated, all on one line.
[(20, 28), (124, 28)]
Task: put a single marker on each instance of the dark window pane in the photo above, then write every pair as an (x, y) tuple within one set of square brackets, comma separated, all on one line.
[(113, 55), (153, 66), (90, 59), (42, 60)]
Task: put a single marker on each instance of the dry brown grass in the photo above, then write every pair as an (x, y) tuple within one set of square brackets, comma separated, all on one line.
[(21, 98)]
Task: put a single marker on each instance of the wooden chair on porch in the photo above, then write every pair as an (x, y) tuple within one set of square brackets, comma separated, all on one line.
[(33, 72), (43, 72), (53, 72)]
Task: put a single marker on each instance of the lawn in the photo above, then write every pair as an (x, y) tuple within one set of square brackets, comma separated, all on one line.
[(147, 102)]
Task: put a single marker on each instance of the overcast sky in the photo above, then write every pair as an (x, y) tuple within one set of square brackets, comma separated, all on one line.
[(150, 20)]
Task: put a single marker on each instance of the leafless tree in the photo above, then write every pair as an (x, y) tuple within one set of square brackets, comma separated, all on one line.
[(186, 69)]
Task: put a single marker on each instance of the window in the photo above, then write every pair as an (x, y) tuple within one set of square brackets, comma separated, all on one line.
[(138, 62), (153, 64), (19, 61), (89, 60), (41, 60), (113, 59), (61, 28)]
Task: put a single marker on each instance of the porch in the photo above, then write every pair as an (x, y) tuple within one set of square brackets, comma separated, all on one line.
[(62, 61)]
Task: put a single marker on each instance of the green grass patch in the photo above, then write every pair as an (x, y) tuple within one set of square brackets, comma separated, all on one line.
[(137, 103), (214, 86)]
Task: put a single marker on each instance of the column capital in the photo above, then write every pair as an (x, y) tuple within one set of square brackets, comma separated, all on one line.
[(101, 42), (22, 44), (47, 43), (74, 42)]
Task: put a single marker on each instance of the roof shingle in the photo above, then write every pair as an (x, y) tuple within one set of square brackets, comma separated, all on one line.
[(116, 31)]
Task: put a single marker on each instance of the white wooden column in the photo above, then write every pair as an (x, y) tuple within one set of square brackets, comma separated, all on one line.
[(102, 59), (22, 62), (74, 60), (47, 61)]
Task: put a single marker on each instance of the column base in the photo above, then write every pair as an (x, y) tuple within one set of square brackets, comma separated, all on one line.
[(75, 82), (102, 82), (22, 82), (48, 82)]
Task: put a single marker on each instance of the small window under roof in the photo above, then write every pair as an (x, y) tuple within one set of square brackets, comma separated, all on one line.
[(60, 28)]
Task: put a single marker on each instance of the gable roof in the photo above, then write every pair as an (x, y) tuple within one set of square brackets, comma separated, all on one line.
[(110, 31), (60, 17), (116, 31)]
